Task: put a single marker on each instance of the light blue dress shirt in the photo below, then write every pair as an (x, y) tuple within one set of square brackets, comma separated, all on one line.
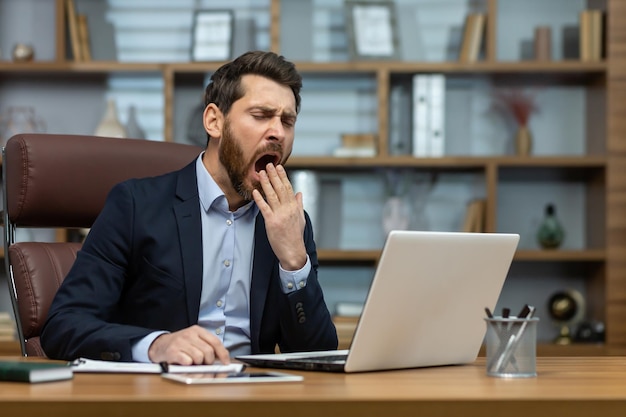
[(228, 253)]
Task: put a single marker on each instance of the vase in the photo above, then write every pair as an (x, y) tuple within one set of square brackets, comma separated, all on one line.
[(396, 214), (133, 129), (307, 182), (109, 124), (16, 120), (550, 234), (523, 141)]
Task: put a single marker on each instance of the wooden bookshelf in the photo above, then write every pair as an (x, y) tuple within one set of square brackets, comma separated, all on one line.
[(601, 168)]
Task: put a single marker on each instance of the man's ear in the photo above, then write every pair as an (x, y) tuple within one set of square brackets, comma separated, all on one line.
[(213, 121)]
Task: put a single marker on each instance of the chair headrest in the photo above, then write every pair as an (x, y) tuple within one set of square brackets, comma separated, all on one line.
[(63, 180)]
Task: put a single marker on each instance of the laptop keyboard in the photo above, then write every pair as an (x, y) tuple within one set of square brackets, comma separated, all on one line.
[(323, 359)]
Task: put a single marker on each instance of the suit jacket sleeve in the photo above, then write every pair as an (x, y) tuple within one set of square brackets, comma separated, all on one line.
[(126, 281), (297, 321)]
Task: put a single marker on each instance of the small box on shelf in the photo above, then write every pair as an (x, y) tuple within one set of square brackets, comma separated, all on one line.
[(357, 145)]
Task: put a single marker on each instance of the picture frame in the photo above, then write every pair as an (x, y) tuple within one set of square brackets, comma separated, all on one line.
[(212, 35), (372, 29)]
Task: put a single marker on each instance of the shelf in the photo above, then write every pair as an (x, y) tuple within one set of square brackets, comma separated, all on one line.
[(572, 67), (448, 162), (68, 67), (371, 256)]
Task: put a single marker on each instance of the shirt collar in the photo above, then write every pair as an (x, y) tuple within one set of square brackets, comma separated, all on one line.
[(211, 195)]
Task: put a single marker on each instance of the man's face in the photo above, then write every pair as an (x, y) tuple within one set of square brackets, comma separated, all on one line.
[(258, 130)]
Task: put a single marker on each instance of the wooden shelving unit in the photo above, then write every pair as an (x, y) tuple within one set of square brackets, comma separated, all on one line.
[(601, 168)]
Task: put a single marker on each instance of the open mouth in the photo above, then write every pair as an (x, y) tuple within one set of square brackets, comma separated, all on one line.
[(268, 158)]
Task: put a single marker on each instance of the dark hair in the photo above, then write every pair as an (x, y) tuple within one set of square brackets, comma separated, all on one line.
[(225, 86)]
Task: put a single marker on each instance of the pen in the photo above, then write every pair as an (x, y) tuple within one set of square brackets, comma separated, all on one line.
[(507, 354), (164, 367)]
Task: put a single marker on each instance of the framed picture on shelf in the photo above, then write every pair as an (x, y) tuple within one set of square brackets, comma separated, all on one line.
[(372, 29), (212, 35)]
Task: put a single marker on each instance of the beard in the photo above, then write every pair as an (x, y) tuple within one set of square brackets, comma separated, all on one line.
[(237, 168)]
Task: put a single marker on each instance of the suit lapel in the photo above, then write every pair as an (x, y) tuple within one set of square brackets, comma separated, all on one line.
[(261, 275), (190, 237)]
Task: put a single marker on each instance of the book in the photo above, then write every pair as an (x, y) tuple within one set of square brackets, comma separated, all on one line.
[(466, 39), (476, 39), (33, 372), (428, 115), (474, 217), (591, 37), (72, 24), (595, 36), (473, 35), (400, 120), (420, 115), (83, 32), (436, 119)]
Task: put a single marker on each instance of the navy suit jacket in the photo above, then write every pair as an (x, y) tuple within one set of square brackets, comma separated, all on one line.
[(140, 270)]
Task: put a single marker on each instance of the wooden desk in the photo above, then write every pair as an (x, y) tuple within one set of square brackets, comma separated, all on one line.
[(566, 386)]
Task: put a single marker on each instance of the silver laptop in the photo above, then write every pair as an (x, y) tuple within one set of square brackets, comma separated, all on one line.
[(425, 306)]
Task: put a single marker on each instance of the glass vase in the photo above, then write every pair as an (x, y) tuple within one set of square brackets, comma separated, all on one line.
[(550, 234), (16, 120)]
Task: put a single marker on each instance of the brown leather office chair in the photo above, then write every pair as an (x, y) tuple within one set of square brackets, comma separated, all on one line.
[(61, 181)]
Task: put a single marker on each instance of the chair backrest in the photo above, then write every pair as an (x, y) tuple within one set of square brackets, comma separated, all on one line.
[(61, 181)]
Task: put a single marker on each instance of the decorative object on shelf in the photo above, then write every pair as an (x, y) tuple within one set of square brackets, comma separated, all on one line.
[(567, 308), (396, 213), (17, 119), (196, 134), (110, 125), (308, 183), (133, 129), (592, 331), (518, 105), (23, 53), (550, 234), (543, 43), (372, 29), (212, 35)]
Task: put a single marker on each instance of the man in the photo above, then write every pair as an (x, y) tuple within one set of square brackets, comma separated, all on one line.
[(209, 262)]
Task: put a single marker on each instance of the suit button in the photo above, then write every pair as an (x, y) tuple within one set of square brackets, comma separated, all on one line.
[(302, 319)]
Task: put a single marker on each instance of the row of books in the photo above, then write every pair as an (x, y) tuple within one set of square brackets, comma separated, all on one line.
[(591, 35), (79, 32)]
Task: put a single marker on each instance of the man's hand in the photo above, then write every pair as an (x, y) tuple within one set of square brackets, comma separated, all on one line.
[(284, 217), (191, 346)]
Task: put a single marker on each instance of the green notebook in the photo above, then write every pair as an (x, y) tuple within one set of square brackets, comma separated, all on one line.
[(23, 371)]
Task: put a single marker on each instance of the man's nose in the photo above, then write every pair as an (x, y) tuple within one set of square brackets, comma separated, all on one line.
[(276, 130)]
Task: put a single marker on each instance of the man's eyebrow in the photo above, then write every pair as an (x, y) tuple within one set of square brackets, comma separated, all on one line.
[(273, 110)]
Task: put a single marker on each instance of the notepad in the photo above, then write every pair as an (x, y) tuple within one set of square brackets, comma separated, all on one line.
[(97, 366)]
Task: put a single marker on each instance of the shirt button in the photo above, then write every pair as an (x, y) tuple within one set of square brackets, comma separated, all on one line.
[(218, 331), (229, 222), (301, 284), (219, 303), (227, 263), (290, 285)]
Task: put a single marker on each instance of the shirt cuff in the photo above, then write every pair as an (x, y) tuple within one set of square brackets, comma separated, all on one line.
[(140, 349), (294, 280)]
